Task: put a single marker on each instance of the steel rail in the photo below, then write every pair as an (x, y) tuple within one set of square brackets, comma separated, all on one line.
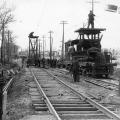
[(92, 81), (114, 84), (97, 105), (47, 101), (103, 84)]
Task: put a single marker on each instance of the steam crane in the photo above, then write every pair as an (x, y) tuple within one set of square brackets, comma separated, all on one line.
[(92, 61)]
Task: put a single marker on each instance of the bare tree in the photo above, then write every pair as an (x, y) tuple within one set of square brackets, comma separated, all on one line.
[(6, 17)]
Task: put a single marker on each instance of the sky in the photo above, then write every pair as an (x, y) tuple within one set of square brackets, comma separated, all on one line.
[(41, 16)]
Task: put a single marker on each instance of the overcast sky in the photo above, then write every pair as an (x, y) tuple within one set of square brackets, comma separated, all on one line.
[(41, 16)]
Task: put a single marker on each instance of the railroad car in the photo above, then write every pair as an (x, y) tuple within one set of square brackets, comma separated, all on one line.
[(86, 49)]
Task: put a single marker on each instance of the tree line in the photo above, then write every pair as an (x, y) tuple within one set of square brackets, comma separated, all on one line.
[(8, 49)]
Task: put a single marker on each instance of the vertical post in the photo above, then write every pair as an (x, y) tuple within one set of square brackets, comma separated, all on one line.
[(29, 47), (50, 46), (39, 50), (92, 5), (63, 43), (62, 52), (43, 46)]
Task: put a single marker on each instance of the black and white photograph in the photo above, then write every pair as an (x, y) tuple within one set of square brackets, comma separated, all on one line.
[(59, 59)]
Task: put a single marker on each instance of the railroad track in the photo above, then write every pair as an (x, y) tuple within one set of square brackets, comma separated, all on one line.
[(106, 83), (103, 83), (63, 101)]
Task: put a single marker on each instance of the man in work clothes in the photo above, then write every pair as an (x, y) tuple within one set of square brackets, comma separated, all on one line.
[(91, 19), (75, 71)]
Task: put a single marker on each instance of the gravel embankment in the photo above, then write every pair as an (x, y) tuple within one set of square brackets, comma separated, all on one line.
[(19, 102)]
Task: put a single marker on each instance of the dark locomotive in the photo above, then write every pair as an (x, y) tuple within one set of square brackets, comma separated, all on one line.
[(92, 60)]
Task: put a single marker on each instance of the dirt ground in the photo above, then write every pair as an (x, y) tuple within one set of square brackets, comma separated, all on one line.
[(19, 105)]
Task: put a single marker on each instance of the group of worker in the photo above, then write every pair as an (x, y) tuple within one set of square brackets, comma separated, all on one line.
[(45, 63), (53, 63)]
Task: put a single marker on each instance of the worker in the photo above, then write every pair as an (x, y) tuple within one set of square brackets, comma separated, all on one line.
[(91, 19), (75, 71), (43, 62)]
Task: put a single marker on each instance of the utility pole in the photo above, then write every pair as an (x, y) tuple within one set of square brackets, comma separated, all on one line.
[(62, 52), (92, 3), (43, 46), (50, 45), (39, 49)]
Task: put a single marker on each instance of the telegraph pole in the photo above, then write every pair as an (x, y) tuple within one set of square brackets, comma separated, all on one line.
[(43, 46), (39, 49), (92, 3), (62, 52), (50, 45)]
